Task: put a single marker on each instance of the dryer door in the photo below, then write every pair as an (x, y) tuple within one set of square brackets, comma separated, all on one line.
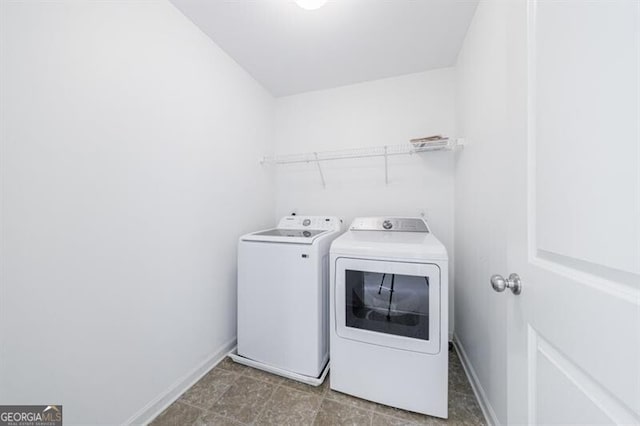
[(394, 304)]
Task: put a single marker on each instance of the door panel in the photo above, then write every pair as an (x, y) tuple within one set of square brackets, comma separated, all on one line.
[(575, 235), (592, 326), (553, 373), (586, 132)]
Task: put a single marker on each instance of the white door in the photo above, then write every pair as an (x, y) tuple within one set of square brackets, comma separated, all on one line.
[(393, 304), (574, 331)]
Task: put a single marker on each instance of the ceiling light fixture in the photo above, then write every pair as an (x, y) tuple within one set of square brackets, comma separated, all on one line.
[(311, 4)]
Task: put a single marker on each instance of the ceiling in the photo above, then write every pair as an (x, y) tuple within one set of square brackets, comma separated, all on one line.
[(290, 50)]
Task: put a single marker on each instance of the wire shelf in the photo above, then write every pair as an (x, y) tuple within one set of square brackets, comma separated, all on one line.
[(445, 144), (377, 151)]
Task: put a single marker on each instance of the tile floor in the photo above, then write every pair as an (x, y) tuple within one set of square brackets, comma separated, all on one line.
[(232, 394)]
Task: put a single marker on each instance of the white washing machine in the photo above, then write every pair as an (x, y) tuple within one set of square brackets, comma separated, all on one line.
[(389, 314), (283, 297)]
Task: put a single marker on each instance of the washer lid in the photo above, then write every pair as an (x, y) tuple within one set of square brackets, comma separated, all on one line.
[(298, 230), (284, 235)]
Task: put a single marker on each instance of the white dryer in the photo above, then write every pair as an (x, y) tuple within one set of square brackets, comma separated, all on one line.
[(389, 314), (283, 297)]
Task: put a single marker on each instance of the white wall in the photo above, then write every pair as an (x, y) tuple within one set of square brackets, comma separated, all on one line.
[(129, 168), (482, 174), (382, 112)]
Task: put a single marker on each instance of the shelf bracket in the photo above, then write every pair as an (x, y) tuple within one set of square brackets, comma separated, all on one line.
[(324, 185), (386, 166)]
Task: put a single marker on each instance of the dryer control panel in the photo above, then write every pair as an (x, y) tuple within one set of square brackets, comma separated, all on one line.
[(310, 222), (400, 224)]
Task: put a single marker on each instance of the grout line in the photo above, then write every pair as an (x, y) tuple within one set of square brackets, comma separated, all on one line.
[(189, 404)]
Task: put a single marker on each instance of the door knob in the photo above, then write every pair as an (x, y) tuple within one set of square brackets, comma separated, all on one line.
[(499, 284)]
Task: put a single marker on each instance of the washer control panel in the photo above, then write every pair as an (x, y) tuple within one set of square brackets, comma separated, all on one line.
[(310, 222), (401, 224)]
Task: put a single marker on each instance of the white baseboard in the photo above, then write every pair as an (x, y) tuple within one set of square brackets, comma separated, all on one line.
[(157, 405), (478, 390)]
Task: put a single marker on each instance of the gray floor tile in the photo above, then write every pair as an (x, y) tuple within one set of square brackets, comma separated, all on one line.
[(231, 365), (290, 407), (464, 409), (382, 420), (177, 414), (208, 389), (333, 413), (254, 373), (244, 400), (458, 381), (211, 419), (316, 390), (408, 417), (454, 358), (343, 398)]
